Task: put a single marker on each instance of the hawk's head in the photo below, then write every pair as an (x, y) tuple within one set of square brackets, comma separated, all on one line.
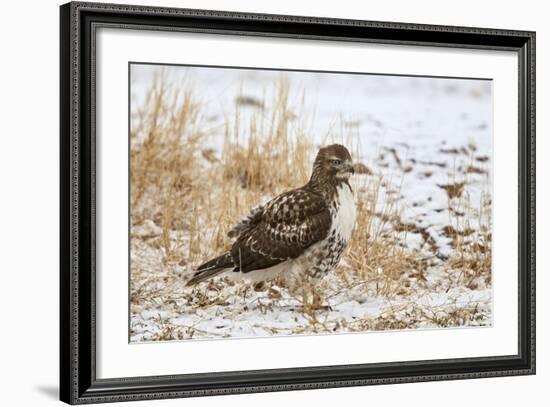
[(333, 163)]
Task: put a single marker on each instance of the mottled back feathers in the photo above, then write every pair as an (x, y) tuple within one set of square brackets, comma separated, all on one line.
[(281, 230)]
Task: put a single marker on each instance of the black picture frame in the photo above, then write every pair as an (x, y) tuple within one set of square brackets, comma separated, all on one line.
[(78, 382)]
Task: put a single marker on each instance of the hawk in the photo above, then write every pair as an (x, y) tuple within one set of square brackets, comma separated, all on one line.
[(301, 232)]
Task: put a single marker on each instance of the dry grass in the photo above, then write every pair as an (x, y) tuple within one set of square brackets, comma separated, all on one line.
[(186, 195), (469, 228), (183, 186)]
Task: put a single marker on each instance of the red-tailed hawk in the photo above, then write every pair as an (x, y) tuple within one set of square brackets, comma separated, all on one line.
[(303, 231)]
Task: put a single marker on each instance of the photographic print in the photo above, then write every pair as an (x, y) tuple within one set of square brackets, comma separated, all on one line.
[(270, 202), (230, 180)]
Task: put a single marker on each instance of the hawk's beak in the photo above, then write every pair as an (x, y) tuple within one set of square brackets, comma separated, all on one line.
[(351, 168)]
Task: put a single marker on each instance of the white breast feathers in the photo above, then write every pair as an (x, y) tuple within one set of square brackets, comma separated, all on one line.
[(344, 218)]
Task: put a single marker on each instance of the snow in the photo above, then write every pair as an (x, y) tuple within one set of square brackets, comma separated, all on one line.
[(180, 312), (419, 134), (255, 314)]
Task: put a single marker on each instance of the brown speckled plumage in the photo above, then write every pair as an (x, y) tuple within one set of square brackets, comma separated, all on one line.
[(295, 228)]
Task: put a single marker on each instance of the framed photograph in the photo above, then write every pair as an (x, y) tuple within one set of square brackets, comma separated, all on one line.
[(255, 203)]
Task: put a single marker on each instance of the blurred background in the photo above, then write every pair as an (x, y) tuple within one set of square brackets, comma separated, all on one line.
[(208, 144)]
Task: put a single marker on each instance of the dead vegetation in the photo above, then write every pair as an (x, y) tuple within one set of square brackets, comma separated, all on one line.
[(190, 186)]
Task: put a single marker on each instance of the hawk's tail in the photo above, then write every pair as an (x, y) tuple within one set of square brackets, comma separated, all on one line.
[(212, 268)]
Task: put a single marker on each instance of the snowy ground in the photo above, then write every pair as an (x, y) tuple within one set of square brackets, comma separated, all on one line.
[(430, 140)]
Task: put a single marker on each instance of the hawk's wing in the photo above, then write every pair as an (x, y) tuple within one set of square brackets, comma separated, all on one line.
[(280, 230), (253, 218)]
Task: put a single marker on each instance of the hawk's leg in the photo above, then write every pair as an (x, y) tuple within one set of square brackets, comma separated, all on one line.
[(316, 299), (305, 302), (316, 303)]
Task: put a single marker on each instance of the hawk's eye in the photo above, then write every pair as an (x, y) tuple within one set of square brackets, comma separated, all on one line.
[(336, 162)]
